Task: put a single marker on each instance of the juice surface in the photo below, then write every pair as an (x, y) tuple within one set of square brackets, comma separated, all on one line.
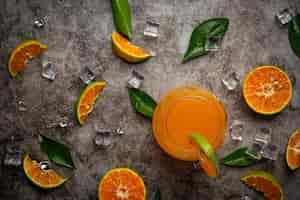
[(186, 110)]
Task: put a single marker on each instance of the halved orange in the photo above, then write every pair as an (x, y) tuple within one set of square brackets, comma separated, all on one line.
[(264, 182), (87, 100), (207, 157), (22, 53), (267, 90), (122, 184), (293, 150), (127, 51), (44, 178)]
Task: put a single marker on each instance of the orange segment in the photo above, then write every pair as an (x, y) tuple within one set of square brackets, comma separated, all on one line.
[(87, 100), (122, 184), (293, 150), (267, 90), (265, 183), (22, 53), (207, 165), (46, 179), (127, 51)]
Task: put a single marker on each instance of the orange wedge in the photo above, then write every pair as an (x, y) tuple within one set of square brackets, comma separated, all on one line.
[(293, 151), (43, 178), (207, 157), (87, 100), (22, 53), (267, 90), (264, 182), (128, 52)]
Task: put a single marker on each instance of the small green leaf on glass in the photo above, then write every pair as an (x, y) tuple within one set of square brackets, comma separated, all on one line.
[(142, 102), (157, 194), (122, 17), (202, 35), (294, 34), (239, 158), (57, 152)]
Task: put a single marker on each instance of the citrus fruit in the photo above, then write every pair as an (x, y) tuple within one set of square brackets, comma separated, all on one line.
[(87, 100), (267, 90), (44, 178), (122, 184), (125, 50), (264, 182), (293, 150), (207, 157), (22, 53)]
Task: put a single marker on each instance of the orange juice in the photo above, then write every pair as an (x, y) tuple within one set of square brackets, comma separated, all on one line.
[(186, 110)]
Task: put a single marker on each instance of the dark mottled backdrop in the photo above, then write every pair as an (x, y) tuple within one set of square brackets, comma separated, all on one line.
[(78, 33)]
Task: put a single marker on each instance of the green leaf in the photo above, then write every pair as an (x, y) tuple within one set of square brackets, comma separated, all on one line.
[(122, 17), (294, 34), (142, 102), (239, 158), (57, 152), (157, 195), (212, 28)]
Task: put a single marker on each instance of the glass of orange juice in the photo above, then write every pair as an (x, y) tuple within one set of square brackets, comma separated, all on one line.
[(187, 110)]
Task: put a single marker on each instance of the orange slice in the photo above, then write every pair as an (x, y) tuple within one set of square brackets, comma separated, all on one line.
[(87, 100), (267, 90), (293, 150), (22, 53), (207, 156), (44, 178), (265, 183), (122, 184), (125, 50)]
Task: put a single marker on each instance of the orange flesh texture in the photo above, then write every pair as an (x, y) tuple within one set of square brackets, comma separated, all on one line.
[(42, 177), (266, 186), (293, 150), (19, 59), (122, 185), (207, 165), (88, 101), (267, 90), (125, 44), (186, 110)]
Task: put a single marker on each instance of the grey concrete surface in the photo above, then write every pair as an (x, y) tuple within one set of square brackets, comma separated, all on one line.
[(78, 34)]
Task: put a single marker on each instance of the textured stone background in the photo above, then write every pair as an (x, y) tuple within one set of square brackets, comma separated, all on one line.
[(78, 34)]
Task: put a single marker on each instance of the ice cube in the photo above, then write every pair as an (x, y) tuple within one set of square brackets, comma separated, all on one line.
[(270, 151), (22, 106), (284, 16), (103, 141), (136, 80), (39, 23), (151, 29), (63, 123), (120, 131), (236, 130), (231, 81), (49, 71), (263, 137), (87, 75), (13, 159)]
